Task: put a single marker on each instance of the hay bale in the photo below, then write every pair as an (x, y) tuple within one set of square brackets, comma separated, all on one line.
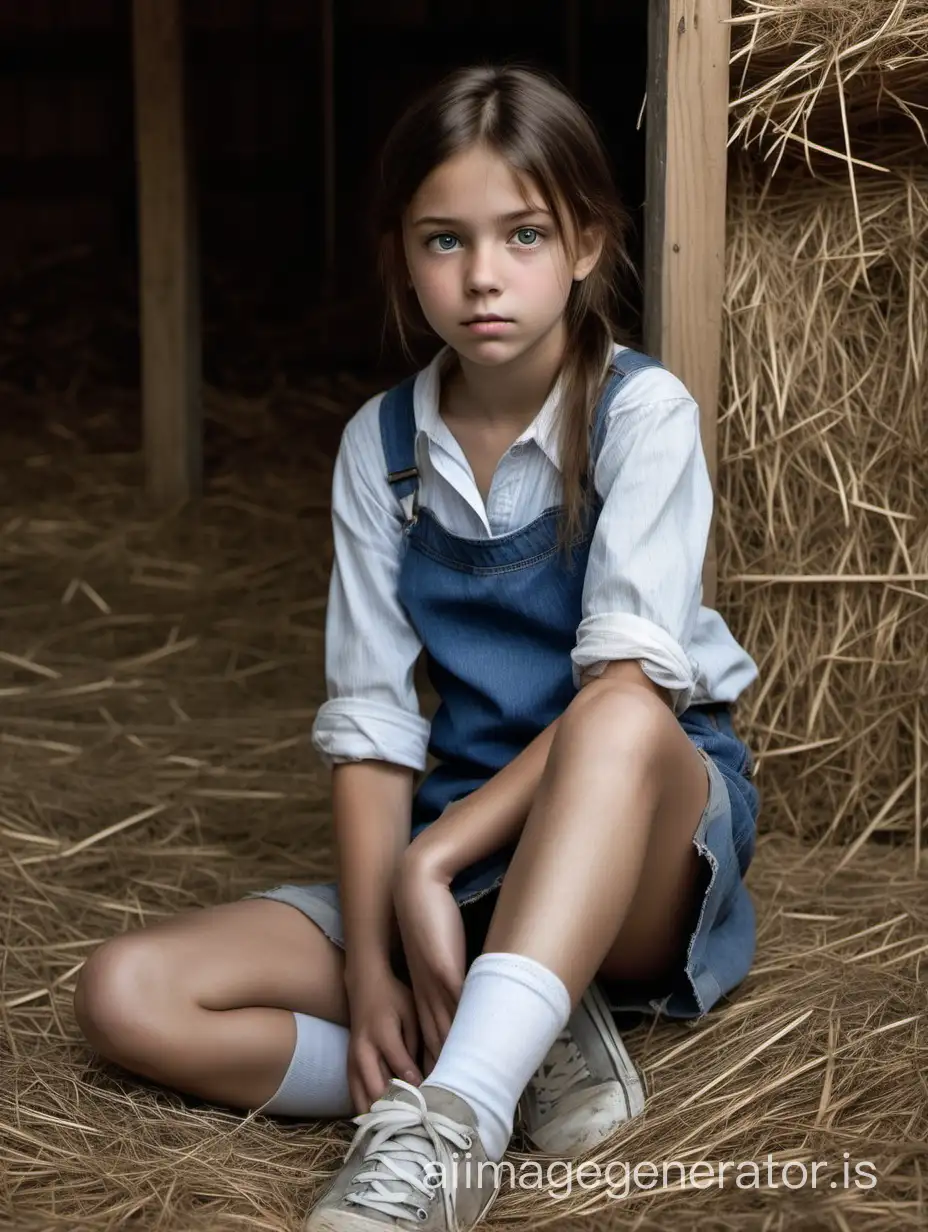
[(822, 434), (824, 454), (818, 80)]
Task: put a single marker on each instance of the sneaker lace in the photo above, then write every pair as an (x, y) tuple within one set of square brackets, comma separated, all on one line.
[(407, 1151), (562, 1069)]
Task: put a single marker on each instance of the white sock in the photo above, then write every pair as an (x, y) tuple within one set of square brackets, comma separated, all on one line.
[(510, 1013), (316, 1082)]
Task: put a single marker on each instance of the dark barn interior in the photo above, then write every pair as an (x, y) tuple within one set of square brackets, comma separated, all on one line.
[(288, 102), (161, 660)]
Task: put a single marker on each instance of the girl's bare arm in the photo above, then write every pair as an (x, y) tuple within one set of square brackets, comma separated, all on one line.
[(372, 808)]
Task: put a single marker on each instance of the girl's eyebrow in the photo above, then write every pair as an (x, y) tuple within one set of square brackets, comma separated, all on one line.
[(432, 220)]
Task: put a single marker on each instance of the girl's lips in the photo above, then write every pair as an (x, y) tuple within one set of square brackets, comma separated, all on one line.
[(488, 327)]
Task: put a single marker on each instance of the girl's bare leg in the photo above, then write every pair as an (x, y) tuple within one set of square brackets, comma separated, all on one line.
[(605, 875), (204, 1002)]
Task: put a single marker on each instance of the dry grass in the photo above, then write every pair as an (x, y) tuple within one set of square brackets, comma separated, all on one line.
[(824, 80), (159, 678), (824, 546), (820, 1054)]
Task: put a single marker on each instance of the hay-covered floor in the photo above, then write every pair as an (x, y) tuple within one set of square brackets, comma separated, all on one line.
[(158, 679)]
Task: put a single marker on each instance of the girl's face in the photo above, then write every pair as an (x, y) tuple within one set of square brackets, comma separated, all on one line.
[(490, 270)]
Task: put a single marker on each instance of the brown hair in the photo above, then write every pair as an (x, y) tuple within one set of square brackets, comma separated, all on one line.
[(541, 131)]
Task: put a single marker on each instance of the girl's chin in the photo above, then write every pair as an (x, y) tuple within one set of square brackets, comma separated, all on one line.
[(488, 349)]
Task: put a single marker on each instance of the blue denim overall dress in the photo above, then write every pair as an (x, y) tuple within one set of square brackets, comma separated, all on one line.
[(498, 620)]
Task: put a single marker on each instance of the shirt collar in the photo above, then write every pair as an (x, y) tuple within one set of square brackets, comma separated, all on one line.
[(543, 429)]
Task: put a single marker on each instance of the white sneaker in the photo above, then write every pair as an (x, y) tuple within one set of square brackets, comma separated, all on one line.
[(585, 1088), (402, 1167)]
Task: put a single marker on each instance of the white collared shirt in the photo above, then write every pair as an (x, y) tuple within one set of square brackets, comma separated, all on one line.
[(642, 589)]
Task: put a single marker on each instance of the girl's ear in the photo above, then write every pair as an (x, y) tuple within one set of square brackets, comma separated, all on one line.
[(589, 250)]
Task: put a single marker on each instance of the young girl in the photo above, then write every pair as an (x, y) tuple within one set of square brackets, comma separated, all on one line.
[(533, 509)]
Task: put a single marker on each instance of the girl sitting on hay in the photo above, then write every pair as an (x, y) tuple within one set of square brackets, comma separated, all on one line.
[(533, 509)]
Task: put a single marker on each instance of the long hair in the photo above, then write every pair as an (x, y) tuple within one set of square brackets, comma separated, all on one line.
[(543, 134)]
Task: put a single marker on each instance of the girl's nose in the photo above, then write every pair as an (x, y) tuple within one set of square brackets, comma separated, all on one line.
[(482, 274)]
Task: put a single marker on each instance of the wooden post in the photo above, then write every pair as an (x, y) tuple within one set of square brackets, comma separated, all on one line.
[(687, 132), (168, 273)]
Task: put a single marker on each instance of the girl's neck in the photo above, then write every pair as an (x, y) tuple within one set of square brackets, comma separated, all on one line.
[(510, 395)]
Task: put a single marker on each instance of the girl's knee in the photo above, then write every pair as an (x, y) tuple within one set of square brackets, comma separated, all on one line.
[(125, 996), (614, 721)]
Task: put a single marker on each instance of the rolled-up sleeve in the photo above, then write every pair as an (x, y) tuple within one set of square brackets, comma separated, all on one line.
[(372, 711), (643, 586)]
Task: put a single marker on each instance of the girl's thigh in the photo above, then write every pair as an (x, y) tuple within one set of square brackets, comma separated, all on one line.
[(253, 953)]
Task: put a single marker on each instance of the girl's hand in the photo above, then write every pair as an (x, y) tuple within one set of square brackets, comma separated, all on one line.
[(384, 1034), (433, 942)]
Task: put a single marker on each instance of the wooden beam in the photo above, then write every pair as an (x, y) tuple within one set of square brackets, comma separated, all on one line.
[(687, 133), (168, 260)]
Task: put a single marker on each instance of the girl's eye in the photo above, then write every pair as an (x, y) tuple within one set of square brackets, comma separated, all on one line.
[(528, 236), (442, 243)]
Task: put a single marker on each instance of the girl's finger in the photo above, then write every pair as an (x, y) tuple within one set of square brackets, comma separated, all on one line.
[(359, 1095), (356, 1090), (441, 1016), (369, 1064), (385, 1072), (451, 983), (443, 1005), (394, 1051), (452, 997), (409, 1024), (430, 1036)]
